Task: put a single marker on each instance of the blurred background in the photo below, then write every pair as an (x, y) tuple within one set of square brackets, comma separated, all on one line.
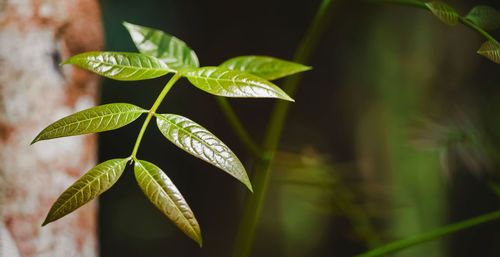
[(394, 132)]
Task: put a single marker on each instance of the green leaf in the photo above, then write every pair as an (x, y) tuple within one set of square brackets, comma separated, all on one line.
[(121, 66), (265, 67), (95, 182), (485, 17), (171, 50), (444, 12), (231, 83), (198, 141), (97, 119), (490, 50), (167, 198)]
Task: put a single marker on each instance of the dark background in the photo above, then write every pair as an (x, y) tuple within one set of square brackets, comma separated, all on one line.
[(374, 126)]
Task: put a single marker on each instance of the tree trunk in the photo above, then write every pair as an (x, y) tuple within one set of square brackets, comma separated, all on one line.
[(35, 36)]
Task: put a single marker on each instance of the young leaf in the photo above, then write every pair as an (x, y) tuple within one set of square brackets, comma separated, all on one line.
[(171, 50), (231, 83), (95, 182), (444, 12), (97, 119), (198, 141), (265, 67), (121, 66), (490, 50), (167, 198), (485, 17)]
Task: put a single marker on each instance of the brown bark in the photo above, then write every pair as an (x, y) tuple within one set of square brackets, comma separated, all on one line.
[(35, 35)]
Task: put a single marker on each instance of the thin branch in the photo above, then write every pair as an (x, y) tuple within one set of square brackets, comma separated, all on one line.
[(432, 235), (262, 169), (238, 127)]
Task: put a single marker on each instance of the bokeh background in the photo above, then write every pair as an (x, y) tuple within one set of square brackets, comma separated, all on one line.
[(394, 132)]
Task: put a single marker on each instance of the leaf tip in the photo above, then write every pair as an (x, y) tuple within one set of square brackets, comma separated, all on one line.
[(306, 68), (249, 186), (65, 62), (199, 240), (46, 221), (126, 24), (34, 141), (287, 98)]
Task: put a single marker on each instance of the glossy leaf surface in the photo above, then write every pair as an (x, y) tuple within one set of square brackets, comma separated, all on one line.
[(97, 119), (265, 67), (95, 182), (444, 12), (490, 50), (231, 83), (171, 50), (198, 141), (167, 198), (121, 66), (485, 17)]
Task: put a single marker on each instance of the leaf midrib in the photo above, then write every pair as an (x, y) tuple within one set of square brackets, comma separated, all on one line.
[(88, 119), (255, 83), (169, 198), (203, 142), (85, 186), (124, 66), (231, 80)]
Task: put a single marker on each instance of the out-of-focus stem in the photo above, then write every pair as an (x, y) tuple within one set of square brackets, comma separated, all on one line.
[(261, 171), (432, 235), (238, 127)]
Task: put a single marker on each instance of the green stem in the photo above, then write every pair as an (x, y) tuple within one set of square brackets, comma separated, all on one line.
[(478, 29), (157, 103), (261, 171), (422, 5), (238, 127), (428, 236)]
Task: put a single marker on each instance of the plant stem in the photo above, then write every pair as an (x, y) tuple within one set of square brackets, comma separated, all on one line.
[(478, 29), (238, 127), (428, 236), (261, 171), (157, 103), (422, 5)]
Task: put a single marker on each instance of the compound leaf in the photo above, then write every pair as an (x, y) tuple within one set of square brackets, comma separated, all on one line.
[(485, 17), (171, 50), (490, 50), (198, 141), (167, 198), (121, 66), (95, 182), (97, 119), (232, 83), (444, 12), (265, 67)]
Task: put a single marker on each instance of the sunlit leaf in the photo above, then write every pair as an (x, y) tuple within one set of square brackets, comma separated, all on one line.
[(198, 141), (490, 50), (444, 12), (171, 50), (95, 182), (167, 198), (97, 119), (121, 66), (265, 67), (231, 83), (485, 17)]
